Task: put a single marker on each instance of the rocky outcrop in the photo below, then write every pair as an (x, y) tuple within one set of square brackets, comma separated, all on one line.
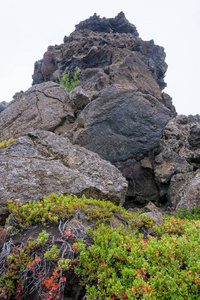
[(118, 110), (119, 24), (107, 51), (42, 163)]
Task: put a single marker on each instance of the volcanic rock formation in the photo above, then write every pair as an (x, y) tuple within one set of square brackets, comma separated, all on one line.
[(115, 137), (118, 110), (119, 106)]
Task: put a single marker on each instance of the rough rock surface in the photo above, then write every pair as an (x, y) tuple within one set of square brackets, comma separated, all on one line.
[(184, 191), (121, 124), (177, 158), (167, 175), (179, 152), (3, 105), (42, 163), (118, 110), (110, 51), (45, 106)]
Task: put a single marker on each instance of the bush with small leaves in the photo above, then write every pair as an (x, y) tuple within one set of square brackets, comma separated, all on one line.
[(112, 263), (53, 253), (55, 208), (120, 265), (69, 83)]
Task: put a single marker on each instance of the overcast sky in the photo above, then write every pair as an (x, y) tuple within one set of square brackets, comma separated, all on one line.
[(28, 27)]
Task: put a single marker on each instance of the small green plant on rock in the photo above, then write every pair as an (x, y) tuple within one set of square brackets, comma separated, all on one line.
[(5, 144), (55, 208), (69, 83)]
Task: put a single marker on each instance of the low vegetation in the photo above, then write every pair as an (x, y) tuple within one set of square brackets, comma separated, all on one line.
[(106, 261), (5, 144), (69, 83)]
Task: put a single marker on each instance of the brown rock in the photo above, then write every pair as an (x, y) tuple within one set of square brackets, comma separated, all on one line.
[(48, 66)]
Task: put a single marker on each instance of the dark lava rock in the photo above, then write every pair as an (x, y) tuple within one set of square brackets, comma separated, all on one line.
[(121, 124)]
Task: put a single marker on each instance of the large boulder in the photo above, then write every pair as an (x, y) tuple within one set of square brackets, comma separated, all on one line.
[(42, 163), (121, 124), (43, 106)]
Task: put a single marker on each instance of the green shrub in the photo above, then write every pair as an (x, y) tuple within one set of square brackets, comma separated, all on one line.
[(193, 214), (69, 83), (41, 240), (55, 208), (53, 253), (17, 260), (112, 263), (121, 266)]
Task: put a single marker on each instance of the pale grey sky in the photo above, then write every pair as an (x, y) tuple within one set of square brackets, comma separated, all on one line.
[(28, 27)]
